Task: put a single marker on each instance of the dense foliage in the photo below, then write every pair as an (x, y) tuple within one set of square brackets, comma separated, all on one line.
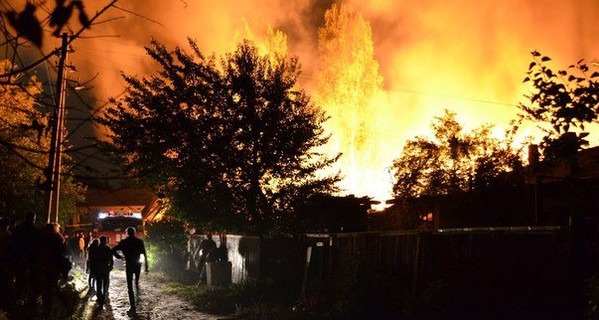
[(455, 161), (232, 144), (563, 104), (24, 145), (166, 244)]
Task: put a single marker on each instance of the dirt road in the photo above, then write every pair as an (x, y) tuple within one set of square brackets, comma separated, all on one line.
[(153, 303)]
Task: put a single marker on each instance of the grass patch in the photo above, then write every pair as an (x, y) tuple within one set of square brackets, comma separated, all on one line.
[(247, 301)]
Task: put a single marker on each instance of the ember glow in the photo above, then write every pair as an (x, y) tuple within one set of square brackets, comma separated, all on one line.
[(381, 69)]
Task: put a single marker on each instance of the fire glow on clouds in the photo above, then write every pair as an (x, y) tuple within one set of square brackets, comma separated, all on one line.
[(392, 65)]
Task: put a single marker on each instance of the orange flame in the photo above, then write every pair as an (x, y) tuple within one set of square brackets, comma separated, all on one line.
[(382, 69)]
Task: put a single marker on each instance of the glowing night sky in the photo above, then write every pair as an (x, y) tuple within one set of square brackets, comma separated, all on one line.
[(469, 56)]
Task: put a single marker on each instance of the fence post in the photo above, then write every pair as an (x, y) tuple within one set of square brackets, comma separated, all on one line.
[(416, 263)]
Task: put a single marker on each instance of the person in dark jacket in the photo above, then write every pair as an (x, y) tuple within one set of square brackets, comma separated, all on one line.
[(107, 280), (26, 240), (102, 265), (207, 246), (91, 279), (54, 263), (132, 248), (6, 265)]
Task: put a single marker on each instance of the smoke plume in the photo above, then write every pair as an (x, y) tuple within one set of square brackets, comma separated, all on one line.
[(468, 56)]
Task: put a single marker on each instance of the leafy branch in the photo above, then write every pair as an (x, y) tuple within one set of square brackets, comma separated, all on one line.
[(28, 27), (565, 100)]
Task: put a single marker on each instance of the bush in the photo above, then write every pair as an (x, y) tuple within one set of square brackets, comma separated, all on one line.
[(166, 244)]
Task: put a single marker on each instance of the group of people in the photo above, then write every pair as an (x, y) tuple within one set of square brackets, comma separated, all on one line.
[(77, 244), (33, 260), (101, 262)]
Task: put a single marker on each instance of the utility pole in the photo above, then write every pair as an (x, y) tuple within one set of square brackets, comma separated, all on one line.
[(55, 161)]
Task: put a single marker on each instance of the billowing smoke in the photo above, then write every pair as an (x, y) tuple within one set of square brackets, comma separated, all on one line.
[(469, 56)]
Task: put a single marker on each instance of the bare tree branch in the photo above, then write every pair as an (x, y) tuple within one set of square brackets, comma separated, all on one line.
[(138, 15)]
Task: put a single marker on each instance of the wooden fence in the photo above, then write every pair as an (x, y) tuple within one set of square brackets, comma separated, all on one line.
[(492, 273)]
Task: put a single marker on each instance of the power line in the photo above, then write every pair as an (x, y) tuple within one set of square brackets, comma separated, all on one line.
[(418, 92), (93, 50)]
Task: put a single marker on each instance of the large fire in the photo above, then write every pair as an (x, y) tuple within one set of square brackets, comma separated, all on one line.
[(381, 69)]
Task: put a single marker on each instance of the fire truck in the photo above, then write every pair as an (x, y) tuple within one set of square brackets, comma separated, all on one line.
[(114, 225)]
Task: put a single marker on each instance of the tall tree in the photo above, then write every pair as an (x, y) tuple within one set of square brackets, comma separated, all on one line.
[(231, 143), (24, 30), (454, 161), (25, 26), (563, 104), (24, 144)]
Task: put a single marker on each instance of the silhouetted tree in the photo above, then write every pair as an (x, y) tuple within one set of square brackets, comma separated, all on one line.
[(562, 103), (24, 27), (234, 143), (24, 142), (455, 161)]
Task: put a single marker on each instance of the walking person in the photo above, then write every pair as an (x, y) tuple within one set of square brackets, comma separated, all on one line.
[(91, 278), (132, 248), (107, 280), (103, 264)]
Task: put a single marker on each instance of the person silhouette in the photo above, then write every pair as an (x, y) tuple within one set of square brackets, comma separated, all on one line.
[(25, 239), (107, 280), (132, 248), (54, 264), (91, 279), (207, 246), (103, 263), (6, 264)]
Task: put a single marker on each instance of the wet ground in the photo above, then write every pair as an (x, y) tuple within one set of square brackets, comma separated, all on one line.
[(153, 302)]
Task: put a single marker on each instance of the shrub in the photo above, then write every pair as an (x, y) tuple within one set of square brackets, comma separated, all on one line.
[(166, 244)]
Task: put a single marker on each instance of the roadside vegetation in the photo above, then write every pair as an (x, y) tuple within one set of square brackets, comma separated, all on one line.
[(252, 300)]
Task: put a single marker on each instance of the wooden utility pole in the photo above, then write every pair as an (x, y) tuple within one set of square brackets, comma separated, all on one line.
[(55, 161)]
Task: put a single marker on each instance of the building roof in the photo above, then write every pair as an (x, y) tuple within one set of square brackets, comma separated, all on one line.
[(585, 166), (124, 201)]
